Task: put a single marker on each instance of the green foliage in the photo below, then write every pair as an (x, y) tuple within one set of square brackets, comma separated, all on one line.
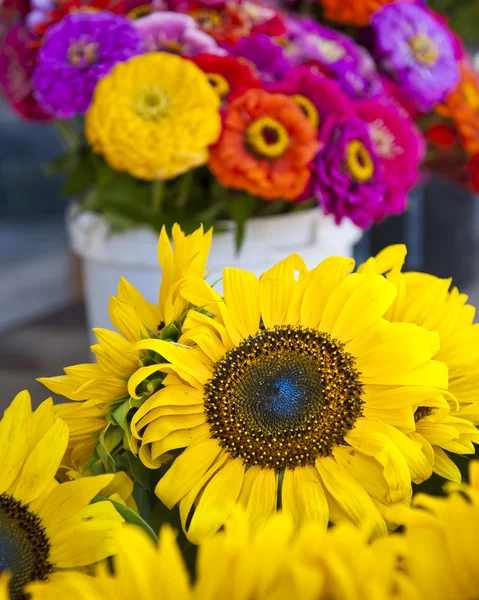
[(462, 15), (191, 199)]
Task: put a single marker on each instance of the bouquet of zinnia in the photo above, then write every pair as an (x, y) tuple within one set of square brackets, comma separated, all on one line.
[(273, 437), (198, 111)]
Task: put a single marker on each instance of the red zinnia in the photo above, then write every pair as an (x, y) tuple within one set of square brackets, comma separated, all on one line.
[(442, 135), (229, 75), (78, 6), (17, 62)]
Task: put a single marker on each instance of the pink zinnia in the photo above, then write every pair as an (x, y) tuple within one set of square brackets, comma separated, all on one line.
[(18, 57), (400, 145)]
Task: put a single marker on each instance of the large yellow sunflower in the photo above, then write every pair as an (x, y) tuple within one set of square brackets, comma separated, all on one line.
[(44, 525), (428, 301), (275, 562), (101, 387), (293, 393), (440, 551)]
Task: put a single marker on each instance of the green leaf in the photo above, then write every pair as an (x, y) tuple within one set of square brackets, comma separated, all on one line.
[(241, 207), (63, 164), (140, 473), (130, 516), (170, 332)]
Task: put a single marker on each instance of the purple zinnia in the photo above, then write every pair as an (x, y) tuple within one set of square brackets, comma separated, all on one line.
[(400, 145), (268, 57), (76, 53), (175, 33), (311, 43), (418, 51), (349, 178)]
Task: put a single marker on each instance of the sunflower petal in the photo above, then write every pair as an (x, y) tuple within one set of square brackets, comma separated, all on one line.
[(217, 501), (186, 471)]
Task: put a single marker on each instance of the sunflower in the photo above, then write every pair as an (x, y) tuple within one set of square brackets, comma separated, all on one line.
[(101, 388), (142, 570), (441, 539), (427, 301), (274, 562), (46, 526), (154, 116), (291, 393)]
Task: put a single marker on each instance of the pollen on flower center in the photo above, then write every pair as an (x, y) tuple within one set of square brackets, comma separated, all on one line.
[(139, 11), (267, 138), (424, 50), (359, 161), (24, 546), (152, 104), (82, 53), (331, 51), (384, 140), (206, 18), (308, 108), (284, 397)]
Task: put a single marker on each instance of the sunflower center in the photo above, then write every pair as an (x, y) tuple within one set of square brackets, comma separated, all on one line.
[(267, 138), (152, 104), (359, 161), (424, 50), (219, 84), (307, 107), (139, 12), (283, 398), (24, 546), (82, 53)]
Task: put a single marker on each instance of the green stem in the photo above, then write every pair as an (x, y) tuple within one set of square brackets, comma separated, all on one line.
[(67, 134), (185, 188), (157, 193)]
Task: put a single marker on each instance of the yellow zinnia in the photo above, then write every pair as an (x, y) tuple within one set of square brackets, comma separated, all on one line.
[(440, 551), (44, 525), (101, 387), (426, 300), (291, 393), (154, 116), (275, 562)]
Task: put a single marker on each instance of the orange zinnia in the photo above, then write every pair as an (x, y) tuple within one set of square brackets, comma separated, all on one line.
[(266, 146), (462, 106), (352, 12)]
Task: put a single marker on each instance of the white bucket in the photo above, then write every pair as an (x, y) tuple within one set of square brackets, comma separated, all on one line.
[(133, 254)]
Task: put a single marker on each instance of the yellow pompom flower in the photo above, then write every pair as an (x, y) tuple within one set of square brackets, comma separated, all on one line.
[(275, 562), (426, 300), (46, 526), (289, 392), (100, 388), (440, 550), (154, 116)]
